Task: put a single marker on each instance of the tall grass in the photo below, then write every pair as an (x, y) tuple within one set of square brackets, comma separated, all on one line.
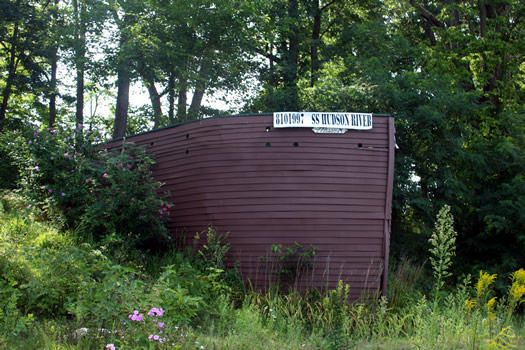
[(59, 294)]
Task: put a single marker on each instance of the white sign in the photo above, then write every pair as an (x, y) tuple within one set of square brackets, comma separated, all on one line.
[(329, 131), (356, 121)]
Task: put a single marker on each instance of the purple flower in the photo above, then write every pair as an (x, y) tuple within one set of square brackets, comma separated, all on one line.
[(63, 194), (96, 138), (110, 138), (15, 132), (35, 134), (132, 198), (136, 316), (50, 191), (30, 142), (161, 324), (72, 171), (80, 126), (129, 166), (43, 187), (156, 312)]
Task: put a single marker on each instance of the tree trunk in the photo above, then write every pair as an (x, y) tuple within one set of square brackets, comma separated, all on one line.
[(200, 88), (154, 97), (121, 110), (314, 48), (80, 57), (53, 95), (12, 66), (123, 81), (171, 99), (292, 57)]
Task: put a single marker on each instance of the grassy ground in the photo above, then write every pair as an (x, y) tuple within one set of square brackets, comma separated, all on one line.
[(58, 292)]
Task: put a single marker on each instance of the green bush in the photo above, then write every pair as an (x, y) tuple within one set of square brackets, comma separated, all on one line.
[(108, 191)]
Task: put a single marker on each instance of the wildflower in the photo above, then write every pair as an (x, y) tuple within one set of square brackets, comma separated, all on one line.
[(110, 347), (156, 312), (30, 142), (129, 166), (29, 206), (66, 155), (63, 194), (156, 337), (72, 171), (150, 336), (110, 138), (106, 150), (96, 138), (161, 324), (132, 198), (35, 134), (484, 282), (136, 316), (43, 187), (50, 191), (169, 205), (123, 193), (121, 165), (88, 180), (37, 168), (80, 126), (52, 158), (15, 132), (105, 175)]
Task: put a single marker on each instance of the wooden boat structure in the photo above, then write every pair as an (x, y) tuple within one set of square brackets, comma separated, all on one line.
[(278, 192)]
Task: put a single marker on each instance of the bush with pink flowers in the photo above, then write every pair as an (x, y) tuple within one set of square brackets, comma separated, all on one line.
[(69, 171)]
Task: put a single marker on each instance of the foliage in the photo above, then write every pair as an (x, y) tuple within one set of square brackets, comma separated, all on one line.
[(106, 189), (443, 242), (289, 264)]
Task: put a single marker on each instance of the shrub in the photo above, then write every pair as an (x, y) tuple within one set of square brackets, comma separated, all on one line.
[(108, 191)]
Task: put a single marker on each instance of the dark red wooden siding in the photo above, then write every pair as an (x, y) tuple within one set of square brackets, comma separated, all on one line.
[(267, 186)]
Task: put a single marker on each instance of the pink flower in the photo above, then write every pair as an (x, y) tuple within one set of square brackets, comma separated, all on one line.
[(29, 206), (150, 336), (156, 337), (132, 198), (50, 191), (110, 347), (105, 175), (161, 324), (121, 165), (37, 168), (30, 142), (129, 166), (88, 180), (66, 155)]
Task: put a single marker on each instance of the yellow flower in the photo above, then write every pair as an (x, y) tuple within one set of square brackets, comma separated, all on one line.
[(484, 282), (519, 276), (517, 292), (469, 304)]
